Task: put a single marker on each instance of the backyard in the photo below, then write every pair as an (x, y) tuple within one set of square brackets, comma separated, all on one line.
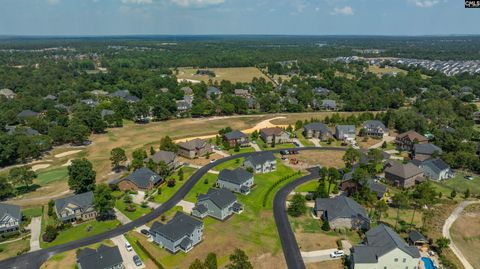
[(132, 215), (466, 235)]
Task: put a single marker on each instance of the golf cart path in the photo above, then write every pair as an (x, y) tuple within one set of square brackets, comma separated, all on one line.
[(446, 231)]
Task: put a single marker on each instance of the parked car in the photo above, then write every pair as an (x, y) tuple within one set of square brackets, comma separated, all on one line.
[(284, 152), (468, 177), (137, 260), (296, 144), (145, 232), (128, 246), (337, 254), (212, 160)]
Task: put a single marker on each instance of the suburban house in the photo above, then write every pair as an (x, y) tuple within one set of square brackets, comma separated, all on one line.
[(415, 238), (403, 175), (102, 258), (183, 106), (275, 133), (168, 157), (194, 148), (263, 162), (407, 140), (329, 104), (342, 212), (7, 93), (366, 157), (375, 128), (142, 179), (244, 93), (345, 132), (213, 93), (217, 203), (436, 169), (187, 90), (76, 207), (350, 187), (317, 130), (182, 232), (424, 152), (236, 138), (238, 180), (16, 130), (27, 114), (10, 218), (383, 248), (125, 95)]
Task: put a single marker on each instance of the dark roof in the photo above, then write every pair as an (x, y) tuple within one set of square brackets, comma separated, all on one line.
[(220, 197), (412, 136), (179, 226), (272, 131), (235, 135), (377, 187), (340, 207), (237, 176), (213, 90), (162, 155), (378, 242), (143, 177), (12, 210), (27, 113), (329, 103), (200, 208), (403, 170), (345, 128), (365, 158), (260, 158), (82, 200), (373, 124), (317, 126), (193, 144), (12, 130), (437, 165), (427, 149), (125, 94), (416, 236), (103, 257)]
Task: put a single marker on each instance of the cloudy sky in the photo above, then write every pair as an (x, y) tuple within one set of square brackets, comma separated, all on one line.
[(194, 17)]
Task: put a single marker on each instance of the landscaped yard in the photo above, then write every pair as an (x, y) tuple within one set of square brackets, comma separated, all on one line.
[(202, 186), (303, 140), (231, 164), (32, 212), (310, 186), (139, 211), (166, 192), (8, 250), (242, 150)]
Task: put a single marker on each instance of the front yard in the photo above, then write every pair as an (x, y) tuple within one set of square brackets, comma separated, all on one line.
[(165, 192), (132, 215)]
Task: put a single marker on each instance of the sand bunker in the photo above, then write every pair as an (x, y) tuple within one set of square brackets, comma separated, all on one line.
[(63, 154), (40, 166)]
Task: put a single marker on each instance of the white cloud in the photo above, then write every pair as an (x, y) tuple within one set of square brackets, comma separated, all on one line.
[(424, 3), (346, 10), (137, 1), (197, 3)]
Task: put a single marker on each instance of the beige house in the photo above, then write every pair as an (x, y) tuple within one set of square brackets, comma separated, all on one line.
[(168, 157), (403, 175), (78, 207), (194, 148), (277, 133)]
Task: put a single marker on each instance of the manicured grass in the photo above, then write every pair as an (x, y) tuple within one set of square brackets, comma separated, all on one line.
[(303, 140), (460, 184), (166, 192), (264, 146), (202, 186), (242, 150), (32, 212), (232, 164), (57, 174), (80, 231), (11, 249), (310, 186), (139, 211)]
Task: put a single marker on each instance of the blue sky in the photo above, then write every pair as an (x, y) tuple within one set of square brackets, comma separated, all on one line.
[(194, 17)]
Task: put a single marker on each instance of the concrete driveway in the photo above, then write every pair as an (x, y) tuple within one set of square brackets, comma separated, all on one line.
[(315, 141), (121, 217), (318, 255), (300, 145), (255, 146), (127, 256), (140, 197), (35, 229), (187, 206)]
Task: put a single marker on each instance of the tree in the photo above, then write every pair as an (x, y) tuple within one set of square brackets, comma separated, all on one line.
[(81, 176), (152, 150), (326, 226), (6, 189), (211, 261), (197, 264), (254, 135), (50, 233), (297, 206), (333, 178), (400, 200), (180, 174), (22, 175), (103, 201), (51, 204), (453, 194), (467, 193), (384, 145), (298, 125), (138, 157), (351, 157), (163, 169), (381, 207), (237, 147), (167, 144), (442, 243), (239, 260), (273, 141), (117, 157)]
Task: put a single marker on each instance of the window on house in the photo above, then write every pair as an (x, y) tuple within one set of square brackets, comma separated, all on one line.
[(396, 259), (404, 259)]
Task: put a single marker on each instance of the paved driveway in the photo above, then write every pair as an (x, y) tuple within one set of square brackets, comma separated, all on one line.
[(255, 146), (35, 228), (187, 206), (300, 145), (127, 256), (121, 217), (315, 141), (318, 255)]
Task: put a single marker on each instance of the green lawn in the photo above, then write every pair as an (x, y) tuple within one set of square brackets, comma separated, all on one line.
[(310, 186), (242, 150), (140, 211), (80, 231), (232, 164), (460, 184), (335, 143), (32, 212), (49, 176), (201, 187), (167, 192), (303, 140)]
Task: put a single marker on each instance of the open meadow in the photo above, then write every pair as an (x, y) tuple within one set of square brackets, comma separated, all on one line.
[(466, 235), (233, 74)]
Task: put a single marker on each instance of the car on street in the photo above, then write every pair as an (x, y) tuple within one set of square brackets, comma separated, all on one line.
[(145, 232), (137, 260), (128, 246), (337, 254)]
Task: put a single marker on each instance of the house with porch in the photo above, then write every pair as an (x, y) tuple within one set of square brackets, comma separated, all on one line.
[(78, 207), (375, 128), (236, 137), (10, 218)]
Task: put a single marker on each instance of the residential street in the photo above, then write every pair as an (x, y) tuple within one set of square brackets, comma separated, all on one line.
[(127, 256), (35, 228)]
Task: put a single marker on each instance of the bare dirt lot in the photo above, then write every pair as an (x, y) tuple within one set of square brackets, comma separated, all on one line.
[(466, 234), (336, 264), (328, 158)]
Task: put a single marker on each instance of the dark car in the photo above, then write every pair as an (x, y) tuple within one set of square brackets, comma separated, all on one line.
[(145, 232), (137, 260)]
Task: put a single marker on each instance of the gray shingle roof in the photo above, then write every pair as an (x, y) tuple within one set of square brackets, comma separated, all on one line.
[(260, 158), (220, 197), (237, 176), (200, 208), (162, 155), (179, 226), (317, 126), (436, 165), (82, 200), (329, 103), (101, 258), (427, 149), (403, 170), (193, 144), (11, 210), (380, 241), (235, 135), (143, 177), (340, 207), (416, 236), (27, 113), (373, 124), (12, 130), (348, 129)]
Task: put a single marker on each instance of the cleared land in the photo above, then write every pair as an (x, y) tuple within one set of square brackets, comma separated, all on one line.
[(466, 235), (327, 158), (381, 71), (233, 74)]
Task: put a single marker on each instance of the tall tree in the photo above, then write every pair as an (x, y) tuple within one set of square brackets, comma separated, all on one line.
[(6, 189), (297, 206), (239, 260), (103, 200), (81, 176), (351, 157), (138, 157), (22, 175), (400, 200), (197, 264), (333, 178), (211, 261), (117, 157), (167, 144)]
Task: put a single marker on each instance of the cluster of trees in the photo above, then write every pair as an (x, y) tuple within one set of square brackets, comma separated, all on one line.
[(238, 260)]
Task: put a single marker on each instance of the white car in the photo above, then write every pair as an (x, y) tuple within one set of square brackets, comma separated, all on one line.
[(337, 254), (128, 246)]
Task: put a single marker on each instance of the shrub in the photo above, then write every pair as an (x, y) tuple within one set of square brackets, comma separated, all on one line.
[(50, 234)]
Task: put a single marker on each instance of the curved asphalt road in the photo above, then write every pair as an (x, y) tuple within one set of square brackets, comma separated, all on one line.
[(35, 259)]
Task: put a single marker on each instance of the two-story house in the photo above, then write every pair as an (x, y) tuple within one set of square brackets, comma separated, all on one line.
[(217, 203), (375, 128), (345, 132), (275, 133), (76, 207), (102, 258), (182, 232), (403, 175), (10, 218), (422, 152), (407, 140), (236, 137), (194, 148), (142, 179), (238, 180), (263, 162), (168, 157), (342, 212), (435, 169), (317, 130)]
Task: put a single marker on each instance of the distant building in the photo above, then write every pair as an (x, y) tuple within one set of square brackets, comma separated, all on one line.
[(187, 90), (194, 148), (18, 130), (261, 163), (10, 218), (407, 140), (75, 207), (345, 132), (213, 93), (125, 95), (141, 179), (317, 130), (329, 104), (375, 128), (217, 203), (242, 93), (238, 180), (102, 258), (7, 93), (25, 114), (342, 212), (50, 97)]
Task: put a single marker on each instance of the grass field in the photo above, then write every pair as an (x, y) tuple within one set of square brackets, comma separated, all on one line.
[(310, 186), (167, 192), (466, 235), (242, 150), (202, 186), (381, 71), (11, 249), (52, 175), (460, 184), (139, 211), (232, 164), (233, 74), (32, 212)]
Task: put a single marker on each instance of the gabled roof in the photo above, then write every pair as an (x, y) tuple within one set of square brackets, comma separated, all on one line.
[(378, 242), (377, 187), (416, 236), (237, 176), (82, 200), (427, 149), (329, 103), (200, 208), (12, 130), (375, 124), (101, 258), (345, 128), (317, 126), (162, 155), (193, 144), (235, 135), (143, 177), (179, 226), (260, 158), (213, 90), (11, 210), (412, 136), (272, 131), (220, 197), (27, 113), (365, 158), (187, 90), (403, 170), (436, 165), (340, 207)]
